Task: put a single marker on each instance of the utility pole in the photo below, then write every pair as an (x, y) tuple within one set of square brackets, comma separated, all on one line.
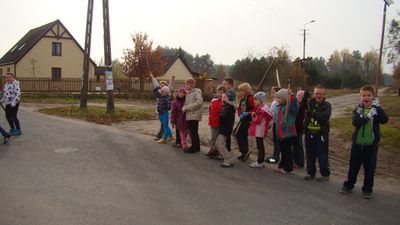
[(86, 57), (379, 70), (304, 37), (304, 54), (107, 58)]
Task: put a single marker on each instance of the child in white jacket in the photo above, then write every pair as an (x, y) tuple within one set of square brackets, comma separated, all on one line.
[(11, 98)]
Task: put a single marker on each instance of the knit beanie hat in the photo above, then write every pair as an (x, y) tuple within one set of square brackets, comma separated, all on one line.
[(165, 90), (182, 90), (260, 96), (283, 93)]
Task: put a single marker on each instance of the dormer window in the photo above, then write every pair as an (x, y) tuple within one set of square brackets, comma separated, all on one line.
[(56, 49)]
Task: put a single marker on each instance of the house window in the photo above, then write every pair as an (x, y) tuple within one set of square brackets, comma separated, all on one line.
[(56, 49), (56, 74), (1, 72), (8, 69)]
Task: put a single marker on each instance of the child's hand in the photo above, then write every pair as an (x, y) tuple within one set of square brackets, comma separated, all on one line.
[(376, 103), (183, 109), (253, 114), (243, 115), (289, 91), (225, 98), (372, 113)]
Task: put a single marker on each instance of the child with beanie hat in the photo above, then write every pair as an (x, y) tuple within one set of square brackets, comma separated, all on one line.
[(285, 125), (259, 127), (163, 106)]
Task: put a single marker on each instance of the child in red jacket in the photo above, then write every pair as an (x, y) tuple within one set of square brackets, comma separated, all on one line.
[(213, 122), (259, 127)]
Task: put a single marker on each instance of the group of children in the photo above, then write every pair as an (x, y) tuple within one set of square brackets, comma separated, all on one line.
[(290, 116), (11, 99)]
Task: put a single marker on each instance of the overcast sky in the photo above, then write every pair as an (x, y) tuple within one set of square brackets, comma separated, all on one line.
[(226, 29)]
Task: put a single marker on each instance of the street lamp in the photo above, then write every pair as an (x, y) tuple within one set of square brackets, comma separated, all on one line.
[(379, 71), (304, 38)]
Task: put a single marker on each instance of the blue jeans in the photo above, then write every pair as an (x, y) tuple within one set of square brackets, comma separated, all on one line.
[(3, 132), (164, 118)]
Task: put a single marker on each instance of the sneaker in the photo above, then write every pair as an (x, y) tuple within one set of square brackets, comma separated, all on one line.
[(345, 190), (271, 160), (162, 141), (309, 177), (240, 157), (257, 165), (18, 132), (6, 139), (226, 165), (175, 145), (12, 131), (171, 138), (367, 195), (323, 179), (189, 150), (281, 170), (246, 156)]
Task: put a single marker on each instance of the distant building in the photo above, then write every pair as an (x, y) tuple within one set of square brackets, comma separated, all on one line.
[(176, 65), (48, 51)]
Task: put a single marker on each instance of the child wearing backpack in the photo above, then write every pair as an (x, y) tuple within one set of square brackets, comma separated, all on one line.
[(367, 117), (259, 127)]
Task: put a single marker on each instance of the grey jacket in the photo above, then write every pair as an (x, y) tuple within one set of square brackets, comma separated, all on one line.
[(193, 105)]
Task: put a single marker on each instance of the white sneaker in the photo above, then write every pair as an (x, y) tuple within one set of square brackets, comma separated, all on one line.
[(257, 165)]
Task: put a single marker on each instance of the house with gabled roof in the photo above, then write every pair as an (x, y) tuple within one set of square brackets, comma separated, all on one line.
[(48, 51), (176, 65)]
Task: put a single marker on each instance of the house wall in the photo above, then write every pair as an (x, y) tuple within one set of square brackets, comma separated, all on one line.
[(40, 60), (179, 70), (4, 69)]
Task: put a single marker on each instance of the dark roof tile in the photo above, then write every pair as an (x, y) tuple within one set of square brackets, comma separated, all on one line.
[(26, 43)]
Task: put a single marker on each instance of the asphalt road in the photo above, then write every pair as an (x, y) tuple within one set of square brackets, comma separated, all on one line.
[(63, 171)]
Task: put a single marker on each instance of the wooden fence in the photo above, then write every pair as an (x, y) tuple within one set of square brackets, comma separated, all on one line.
[(121, 86)]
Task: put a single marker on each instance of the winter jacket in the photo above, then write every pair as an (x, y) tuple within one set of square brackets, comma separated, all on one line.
[(261, 122), (286, 124), (12, 93), (178, 117), (320, 114), (246, 105), (163, 102), (226, 119), (301, 114), (215, 109), (360, 120), (193, 105)]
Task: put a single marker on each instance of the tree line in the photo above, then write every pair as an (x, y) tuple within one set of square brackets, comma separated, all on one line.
[(343, 69)]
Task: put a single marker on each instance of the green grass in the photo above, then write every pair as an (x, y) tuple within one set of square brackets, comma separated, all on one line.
[(339, 92), (390, 132), (99, 114)]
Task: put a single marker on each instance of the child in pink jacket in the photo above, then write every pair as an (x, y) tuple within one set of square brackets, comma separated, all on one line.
[(259, 127)]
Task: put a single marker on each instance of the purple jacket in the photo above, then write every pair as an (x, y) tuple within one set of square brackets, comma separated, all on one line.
[(177, 116)]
